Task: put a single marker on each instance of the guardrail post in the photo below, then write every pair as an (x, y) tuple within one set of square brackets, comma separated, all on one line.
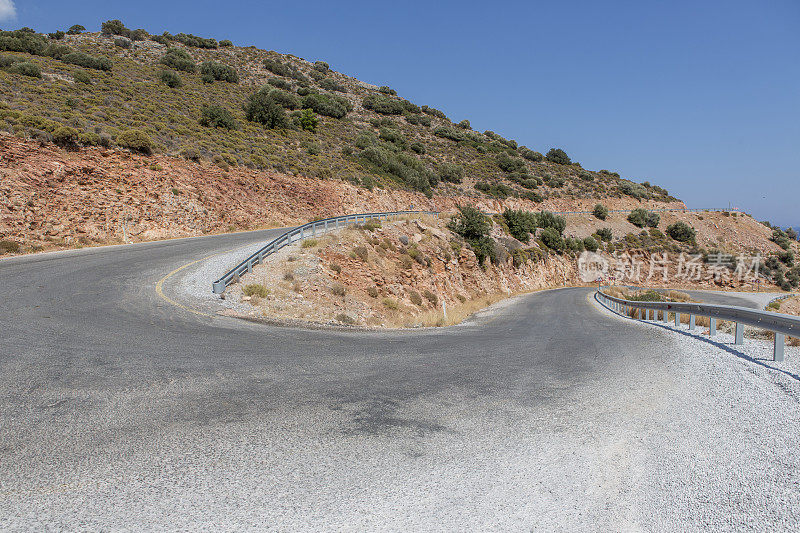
[(665, 316), (249, 266), (218, 287), (677, 319), (691, 322), (739, 333), (777, 352), (712, 327), (314, 229)]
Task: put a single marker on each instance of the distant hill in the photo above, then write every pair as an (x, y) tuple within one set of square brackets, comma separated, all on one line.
[(197, 98)]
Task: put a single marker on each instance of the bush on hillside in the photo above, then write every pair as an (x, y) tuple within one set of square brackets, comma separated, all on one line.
[(179, 60), (327, 105), (170, 78), (497, 190), (214, 71), (464, 125), (652, 219), (557, 155), (308, 120), (382, 104), (451, 172), (329, 84), (640, 217), (604, 234), (287, 100), (122, 42), (530, 155), (81, 76), (406, 167), (470, 223), (25, 68), (432, 111), (550, 220), (280, 84), (510, 164), (590, 244), (87, 61), (321, 66), (76, 29), (225, 43), (449, 133), (634, 190), (276, 67), (187, 39), (520, 223), (552, 239), (114, 27), (218, 117), (135, 141), (387, 90), (261, 108), (600, 211), (65, 136), (57, 35)]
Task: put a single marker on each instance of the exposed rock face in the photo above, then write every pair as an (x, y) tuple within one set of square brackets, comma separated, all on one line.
[(50, 197), (370, 277)]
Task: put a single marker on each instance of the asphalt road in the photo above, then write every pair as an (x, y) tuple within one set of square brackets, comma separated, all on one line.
[(121, 411)]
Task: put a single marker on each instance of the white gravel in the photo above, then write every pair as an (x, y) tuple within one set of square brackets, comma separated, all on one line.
[(727, 449)]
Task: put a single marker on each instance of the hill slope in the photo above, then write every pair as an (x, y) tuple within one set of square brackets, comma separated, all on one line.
[(365, 134)]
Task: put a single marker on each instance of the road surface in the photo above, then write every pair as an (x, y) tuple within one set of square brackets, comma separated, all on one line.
[(120, 410)]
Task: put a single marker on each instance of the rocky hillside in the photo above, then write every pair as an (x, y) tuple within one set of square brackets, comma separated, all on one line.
[(208, 101)]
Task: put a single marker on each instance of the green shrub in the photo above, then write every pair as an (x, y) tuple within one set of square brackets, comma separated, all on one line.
[(387, 90), (76, 30), (510, 164), (403, 166), (225, 43), (136, 141), (179, 60), (393, 136), (557, 155), (330, 84), (552, 239), (280, 84), (464, 125), (26, 68), (498, 190), (390, 304), (419, 148), (122, 42), (170, 78), (58, 51), (470, 223), (282, 98), (276, 67), (255, 289), (449, 133), (81, 76), (384, 105), (416, 299), (215, 71), (263, 109), (65, 136), (321, 66), (451, 172), (638, 217), (533, 196), (56, 35), (87, 61), (188, 39), (218, 117), (604, 234), (308, 120), (634, 190), (7, 61), (600, 211), (530, 155), (417, 119), (573, 245), (681, 232), (652, 219), (552, 221), (327, 105), (590, 244), (520, 223), (114, 27)]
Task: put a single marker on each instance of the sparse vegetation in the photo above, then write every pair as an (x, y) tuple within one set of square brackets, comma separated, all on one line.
[(600, 211), (255, 289)]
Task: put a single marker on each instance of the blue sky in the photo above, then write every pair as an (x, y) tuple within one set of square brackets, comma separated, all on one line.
[(700, 97)]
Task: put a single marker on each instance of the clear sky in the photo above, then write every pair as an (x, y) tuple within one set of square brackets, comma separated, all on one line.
[(701, 97)]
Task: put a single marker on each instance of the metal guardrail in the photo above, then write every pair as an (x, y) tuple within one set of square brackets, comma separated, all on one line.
[(312, 229), (782, 325)]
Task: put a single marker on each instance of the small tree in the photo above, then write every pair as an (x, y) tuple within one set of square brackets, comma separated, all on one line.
[(76, 29), (590, 244), (213, 70), (552, 239), (681, 232), (604, 234), (308, 120), (557, 155), (638, 217), (520, 223), (114, 27), (470, 223), (464, 125), (652, 219), (264, 110), (218, 117), (600, 211), (170, 78)]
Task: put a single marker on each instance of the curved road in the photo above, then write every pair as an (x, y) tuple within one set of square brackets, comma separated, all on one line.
[(119, 410)]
